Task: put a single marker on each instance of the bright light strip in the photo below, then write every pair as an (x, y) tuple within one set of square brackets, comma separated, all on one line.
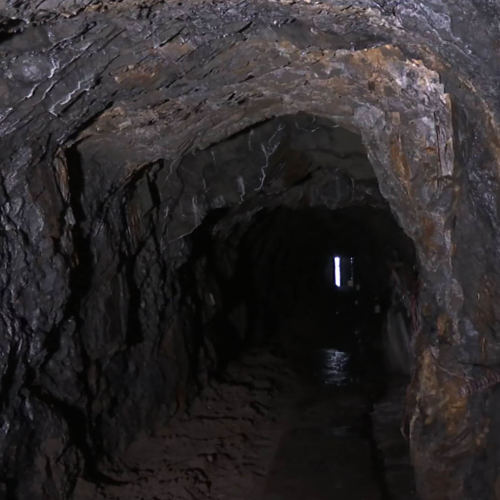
[(337, 271)]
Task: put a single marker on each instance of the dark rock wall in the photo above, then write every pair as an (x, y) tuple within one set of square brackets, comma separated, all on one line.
[(102, 107)]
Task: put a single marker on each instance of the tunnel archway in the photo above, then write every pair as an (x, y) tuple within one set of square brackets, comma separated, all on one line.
[(296, 161), (264, 284), (100, 128)]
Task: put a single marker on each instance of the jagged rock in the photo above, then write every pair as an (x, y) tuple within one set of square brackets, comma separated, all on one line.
[(125, 125)]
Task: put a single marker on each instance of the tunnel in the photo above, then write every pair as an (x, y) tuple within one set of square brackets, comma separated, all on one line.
[(308, 277), (287, 251), (249, 250)]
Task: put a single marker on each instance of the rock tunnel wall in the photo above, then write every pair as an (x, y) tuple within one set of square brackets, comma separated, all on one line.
[(103, 107)]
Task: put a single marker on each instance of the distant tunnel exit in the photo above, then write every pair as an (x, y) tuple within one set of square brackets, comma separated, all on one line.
[(343, 271)]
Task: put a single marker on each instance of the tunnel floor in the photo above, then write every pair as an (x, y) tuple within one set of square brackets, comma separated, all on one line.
[(336, 442), (275, 427)]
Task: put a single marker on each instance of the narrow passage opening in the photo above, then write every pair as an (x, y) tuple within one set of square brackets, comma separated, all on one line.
[(329, 293)]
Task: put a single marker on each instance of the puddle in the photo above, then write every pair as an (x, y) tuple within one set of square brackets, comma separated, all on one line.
[(334, 367)]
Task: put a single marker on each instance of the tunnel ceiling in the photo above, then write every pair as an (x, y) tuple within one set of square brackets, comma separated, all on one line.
[(124, 124), (296, 160)]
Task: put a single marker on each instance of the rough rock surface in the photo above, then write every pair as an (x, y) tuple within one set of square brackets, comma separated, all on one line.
[(222, 447), (125, 124)]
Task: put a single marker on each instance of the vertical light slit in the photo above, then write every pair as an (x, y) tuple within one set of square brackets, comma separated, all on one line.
[(337, 271)]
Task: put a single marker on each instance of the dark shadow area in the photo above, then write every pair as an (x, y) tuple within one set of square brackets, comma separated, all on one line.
[(276, 284), (334, 293)]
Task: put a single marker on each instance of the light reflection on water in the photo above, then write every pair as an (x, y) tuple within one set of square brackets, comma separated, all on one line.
[(334, 367)]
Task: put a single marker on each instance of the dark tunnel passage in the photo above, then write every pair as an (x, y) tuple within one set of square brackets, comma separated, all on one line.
[(274, 244), (282, 285), (348, 342)]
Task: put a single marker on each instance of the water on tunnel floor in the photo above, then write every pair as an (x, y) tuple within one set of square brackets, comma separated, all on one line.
[(331, 366), (336, 443)]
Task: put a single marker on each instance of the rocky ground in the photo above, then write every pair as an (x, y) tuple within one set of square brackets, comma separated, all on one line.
[(268, 431), (221, 448)]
